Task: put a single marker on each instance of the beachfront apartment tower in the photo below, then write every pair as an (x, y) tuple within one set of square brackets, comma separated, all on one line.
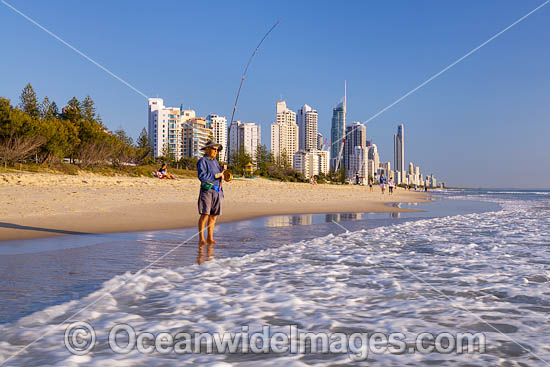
[(320, 145), (195, 136), (307, 119), (166, 128), (284, 134), (356, 136), (399, 150), (358, 163), (374, 157), (244, 138), (312, 162), (218, 125)]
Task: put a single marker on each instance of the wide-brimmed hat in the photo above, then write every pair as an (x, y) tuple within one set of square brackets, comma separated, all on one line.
[(211, 144)]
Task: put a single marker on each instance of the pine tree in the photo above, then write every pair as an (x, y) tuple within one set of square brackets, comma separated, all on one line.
[(88, 109), (44, 107), (53, 111), (144, 143), (73, 110), (29, 102), (124, 138)]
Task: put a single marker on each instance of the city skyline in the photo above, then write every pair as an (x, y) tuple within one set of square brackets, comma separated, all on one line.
[(490, 98)]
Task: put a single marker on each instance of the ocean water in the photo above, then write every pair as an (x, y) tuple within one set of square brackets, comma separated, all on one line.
[(482, 267)]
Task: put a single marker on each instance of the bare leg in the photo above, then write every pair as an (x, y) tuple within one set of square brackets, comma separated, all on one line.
[(202, 224), (210, 229)]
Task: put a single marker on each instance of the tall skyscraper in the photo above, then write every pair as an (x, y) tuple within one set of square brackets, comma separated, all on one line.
[(165, 128), (245, 138), (320, 145), (307, 128), (337, 133), (399, 150), (218, 124), (284, 134), (356, 136)]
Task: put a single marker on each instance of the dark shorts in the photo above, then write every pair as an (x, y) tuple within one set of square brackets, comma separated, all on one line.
[(210, 202)]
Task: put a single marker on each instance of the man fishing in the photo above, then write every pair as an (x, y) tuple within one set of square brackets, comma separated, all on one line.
[(210, 175)]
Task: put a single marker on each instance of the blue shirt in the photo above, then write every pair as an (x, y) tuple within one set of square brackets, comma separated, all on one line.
[(206, 170)]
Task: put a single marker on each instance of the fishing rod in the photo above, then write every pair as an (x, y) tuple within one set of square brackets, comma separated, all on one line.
[(241, 85)]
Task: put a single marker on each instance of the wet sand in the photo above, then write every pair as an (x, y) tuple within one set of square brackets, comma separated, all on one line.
[(43, 205)]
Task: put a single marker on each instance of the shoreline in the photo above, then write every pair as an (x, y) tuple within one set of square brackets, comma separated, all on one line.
[(47, 206)]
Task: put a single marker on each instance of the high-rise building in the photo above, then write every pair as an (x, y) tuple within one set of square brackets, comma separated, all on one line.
[(399, 149), (244, 138), (195, 137), (356, 136), (337, 133), (320, 145), (218, 124), (312, 162), (166, 128), (397, 177), (307, 128), (358, 163), (385, 167), (375, 158), (284, 134)]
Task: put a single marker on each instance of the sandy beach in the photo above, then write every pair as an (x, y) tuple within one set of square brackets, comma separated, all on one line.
[(43, 205)]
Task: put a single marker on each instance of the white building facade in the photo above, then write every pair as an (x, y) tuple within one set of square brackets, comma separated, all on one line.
[(165, 128), (311, 163), (358, 163), (195, 137), (218, 125), (307, 120), (244, 137), (284, 134), (375, 158)]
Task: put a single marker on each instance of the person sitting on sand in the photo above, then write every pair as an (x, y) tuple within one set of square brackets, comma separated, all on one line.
[(312, 180), (210, 175), (164, 172)]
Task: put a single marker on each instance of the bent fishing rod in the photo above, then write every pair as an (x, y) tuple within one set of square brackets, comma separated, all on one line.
[(241, 85)]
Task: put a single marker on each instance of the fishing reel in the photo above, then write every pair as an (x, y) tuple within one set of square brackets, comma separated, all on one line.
[(227, 176)]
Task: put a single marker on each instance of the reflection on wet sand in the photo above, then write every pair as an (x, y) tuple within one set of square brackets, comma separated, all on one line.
[(338, 217), (308, 219), (201, 256), (289, 220), (395, 214)]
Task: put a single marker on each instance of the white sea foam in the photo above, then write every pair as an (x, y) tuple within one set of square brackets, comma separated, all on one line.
[(412, 277)]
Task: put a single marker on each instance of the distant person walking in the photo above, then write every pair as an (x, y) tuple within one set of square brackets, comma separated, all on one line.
[(390, 186), (210, 175), (383, 182), (370, 184)]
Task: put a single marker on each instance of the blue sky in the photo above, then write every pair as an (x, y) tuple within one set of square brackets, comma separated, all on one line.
[(485, 122)]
